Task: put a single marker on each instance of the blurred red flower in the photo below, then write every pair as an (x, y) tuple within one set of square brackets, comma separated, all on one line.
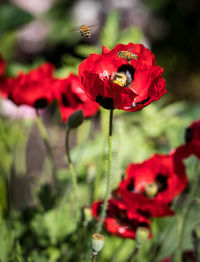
[(2, 65), (192, 138), (187, 256), (116, 80), (71, 97), (144, 206), (181, 152), (34, 88), (120, 220), (161, 177)]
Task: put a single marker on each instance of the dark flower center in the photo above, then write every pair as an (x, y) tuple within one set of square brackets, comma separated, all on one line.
[(105, 102), (41, 103), (161, 181), (130, 186), (129, 71), (65, 102), (188, 135), (144, 213)]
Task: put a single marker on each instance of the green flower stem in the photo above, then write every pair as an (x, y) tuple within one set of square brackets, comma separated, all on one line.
[(182, 218), (44, 137), (94, 258), (72, 171), (108, 174), (133, 256)]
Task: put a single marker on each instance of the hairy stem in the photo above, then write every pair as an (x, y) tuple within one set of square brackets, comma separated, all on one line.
[(72, 170), (108, 174)]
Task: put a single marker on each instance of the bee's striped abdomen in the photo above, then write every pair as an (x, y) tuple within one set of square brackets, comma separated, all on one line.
[(85, 31)]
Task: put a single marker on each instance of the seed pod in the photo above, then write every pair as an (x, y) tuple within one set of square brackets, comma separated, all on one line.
[(142, 234), (76, 119), (97, 243)]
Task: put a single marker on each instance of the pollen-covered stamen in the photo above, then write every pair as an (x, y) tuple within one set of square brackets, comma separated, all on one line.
[(151, 190), (105, 75), (160, 185)]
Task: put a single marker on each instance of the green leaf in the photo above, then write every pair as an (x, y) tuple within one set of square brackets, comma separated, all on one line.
[(83, 132), (3, 193), (6, 241), (132, 34), (86, 50), (110, 31), (11, 17)]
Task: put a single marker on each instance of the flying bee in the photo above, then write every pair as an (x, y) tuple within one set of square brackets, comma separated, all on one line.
[(127, 56), (120, 79), (84, 30)]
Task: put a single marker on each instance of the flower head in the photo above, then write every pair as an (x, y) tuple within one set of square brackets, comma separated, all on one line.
[(187, 256), (71, 98), (192, 138), (125, 77), (162, 177), (34, 88), (2, 66), (120, 220)]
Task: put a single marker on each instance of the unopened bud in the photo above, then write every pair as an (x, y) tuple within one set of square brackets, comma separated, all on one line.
[(97, 243), (87, 215), (142, 234), (76, 119), (151, 190), (92, 171)]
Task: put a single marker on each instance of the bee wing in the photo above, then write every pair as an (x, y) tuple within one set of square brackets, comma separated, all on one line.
[(75, 29), (131, 51), (92, 26)]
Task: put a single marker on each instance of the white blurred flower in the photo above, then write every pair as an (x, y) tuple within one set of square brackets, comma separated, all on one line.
[(86, 12), (9, 109), (32, 36), (35, 7)]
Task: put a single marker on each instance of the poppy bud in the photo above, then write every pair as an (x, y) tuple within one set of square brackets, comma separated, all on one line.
[(76, 119), (97, 243), (151, 190), (87, 215), (142, 234)]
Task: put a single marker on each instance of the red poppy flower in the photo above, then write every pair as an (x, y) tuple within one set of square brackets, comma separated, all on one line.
[(181, 152), (145, 206), (119, 220), (2, 65), (71, 97), (162, 177), (125, 77), (192, 138), (34, 88), (187, 256)]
